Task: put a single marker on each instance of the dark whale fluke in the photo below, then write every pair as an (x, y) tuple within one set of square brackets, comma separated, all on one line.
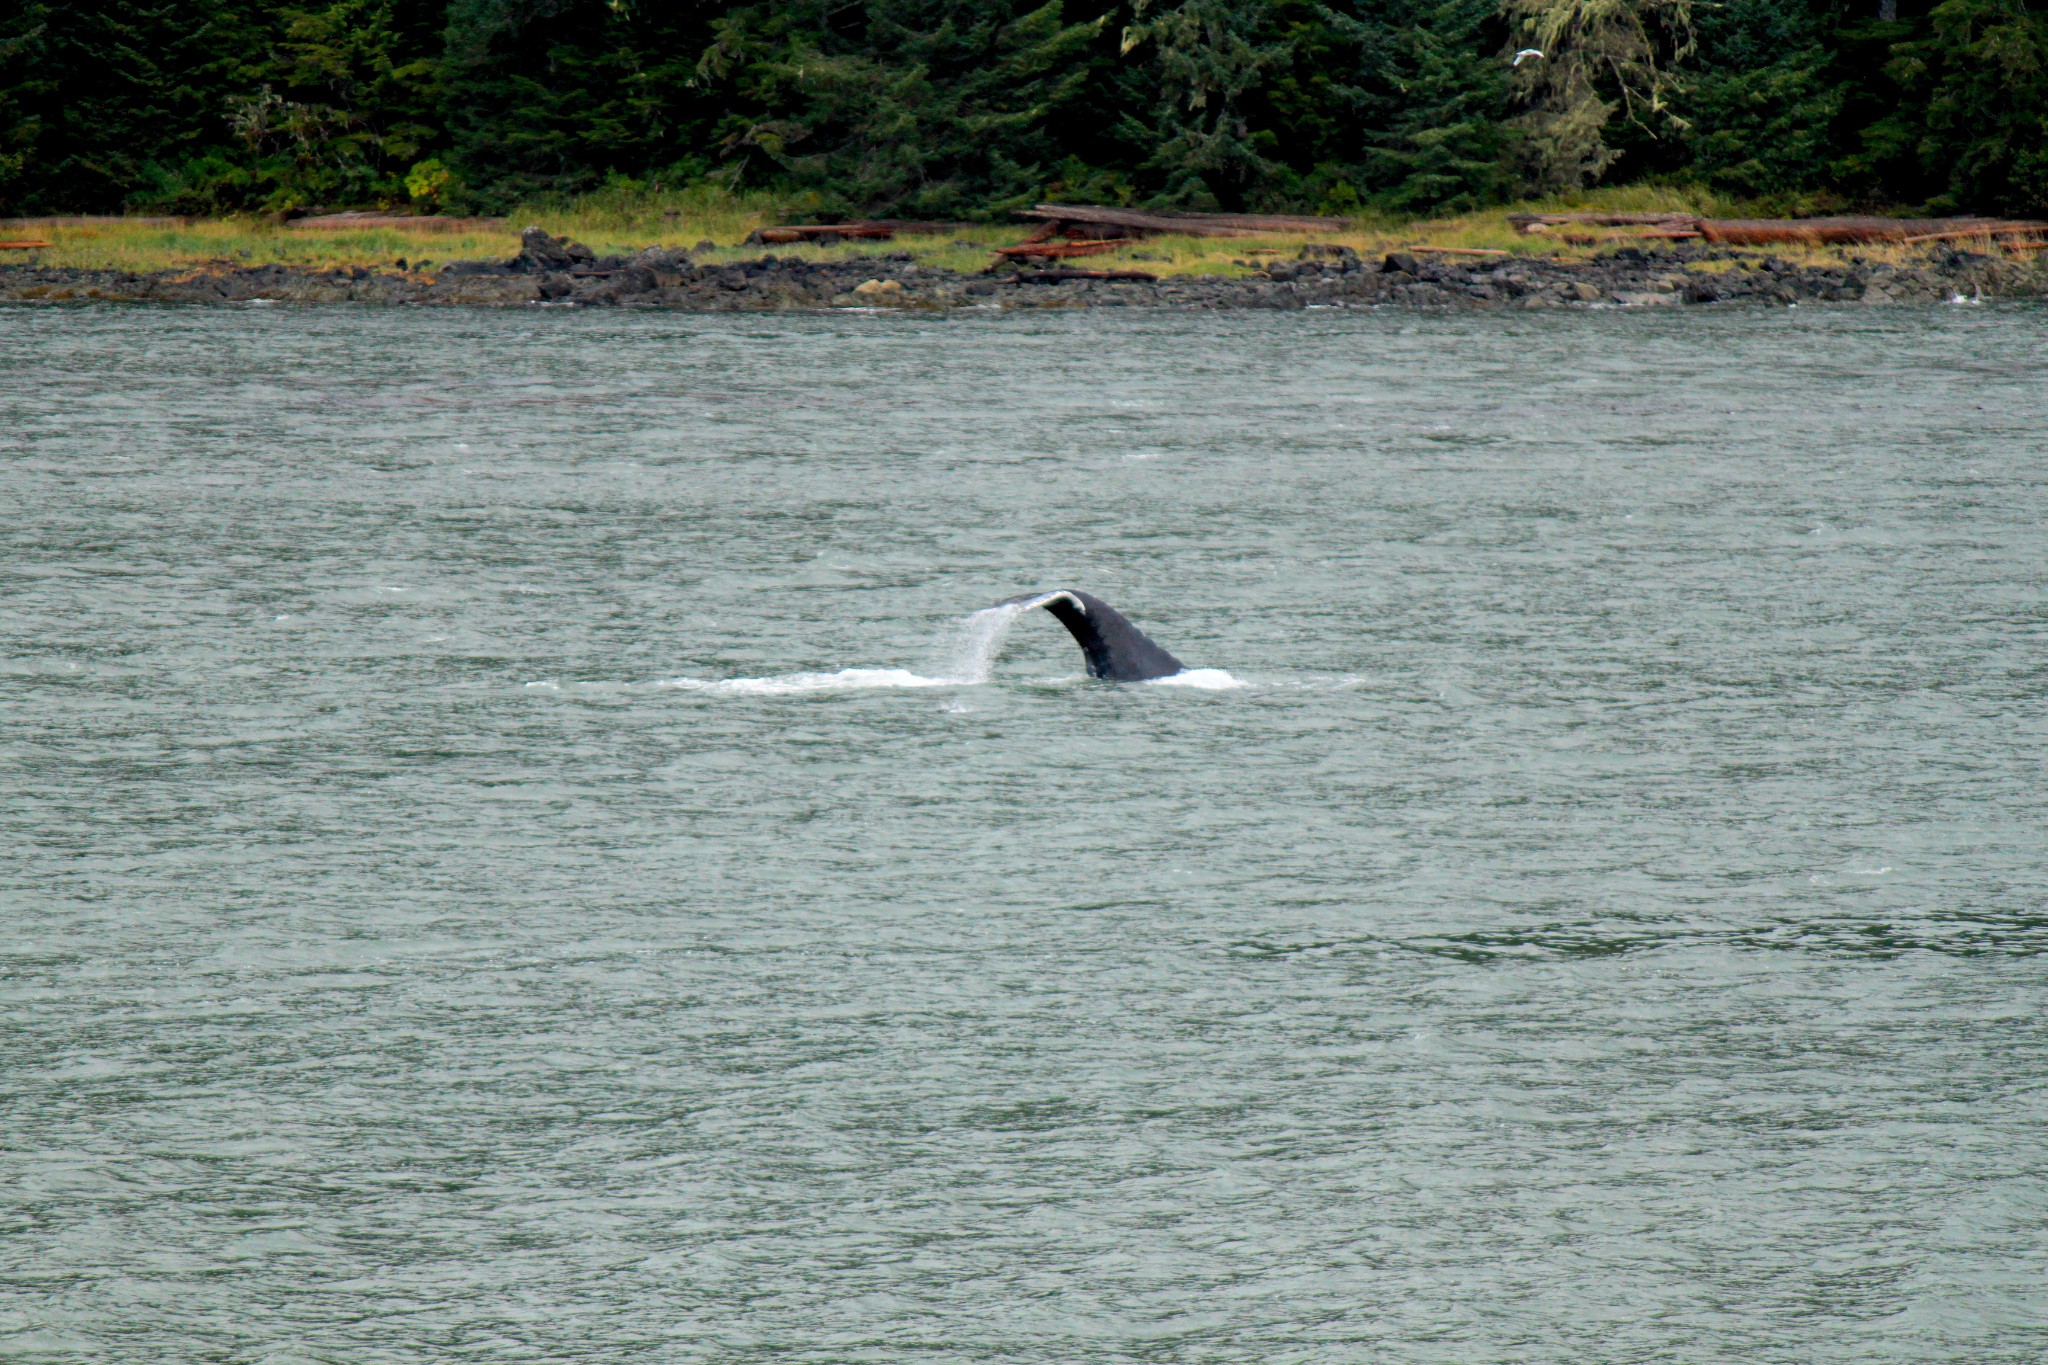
[(1116, 650)]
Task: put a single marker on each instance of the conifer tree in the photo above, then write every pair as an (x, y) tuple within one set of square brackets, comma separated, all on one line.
[(929, 110), (101, 98)]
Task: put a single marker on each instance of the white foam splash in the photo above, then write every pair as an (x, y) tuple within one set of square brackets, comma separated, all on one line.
[(1204, 679), (792, 684)]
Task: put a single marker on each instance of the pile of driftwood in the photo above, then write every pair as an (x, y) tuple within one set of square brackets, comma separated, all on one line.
[(2011, 232)]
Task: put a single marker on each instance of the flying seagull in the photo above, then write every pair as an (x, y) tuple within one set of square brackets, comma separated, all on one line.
[(1526, 52)]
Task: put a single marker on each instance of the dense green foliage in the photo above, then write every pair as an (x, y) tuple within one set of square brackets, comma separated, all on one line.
[(964, 108)]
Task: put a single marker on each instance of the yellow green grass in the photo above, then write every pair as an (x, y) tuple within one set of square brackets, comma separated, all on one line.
[(612, 222)]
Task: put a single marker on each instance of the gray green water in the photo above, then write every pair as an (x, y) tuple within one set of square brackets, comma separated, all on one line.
[(1604, 927)]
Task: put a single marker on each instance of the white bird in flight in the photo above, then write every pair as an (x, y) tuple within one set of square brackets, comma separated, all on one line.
[(1526, 52)]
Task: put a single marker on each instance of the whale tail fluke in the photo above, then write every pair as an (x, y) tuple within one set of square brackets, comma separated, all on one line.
[(1116, 650)]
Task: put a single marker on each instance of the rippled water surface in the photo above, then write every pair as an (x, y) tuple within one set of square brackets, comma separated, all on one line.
[(500, 868)]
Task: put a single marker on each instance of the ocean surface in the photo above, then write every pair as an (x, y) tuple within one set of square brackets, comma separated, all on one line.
[(515, 849)]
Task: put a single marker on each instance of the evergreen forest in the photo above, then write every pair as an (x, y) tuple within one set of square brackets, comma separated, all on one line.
[(966, 109)]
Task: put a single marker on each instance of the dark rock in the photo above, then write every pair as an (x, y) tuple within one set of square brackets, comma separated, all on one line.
[(1400, 262), (539, 253), (459, 269), (555, 285), (669, 268), (1701, 291)]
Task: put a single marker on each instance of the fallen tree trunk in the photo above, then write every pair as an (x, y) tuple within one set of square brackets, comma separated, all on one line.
[(1639, 235), (1968, 233), (1056, 250), (811, 232), (1539, 222), (1098, 216), (869, 229), (407, 222), (1765, 231), (87, 220)]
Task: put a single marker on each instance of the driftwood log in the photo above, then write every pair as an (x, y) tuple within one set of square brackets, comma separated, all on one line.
[(1056, 250), (1763, 231), (407, 222), (1094, 220), (1543, 222), (2003, 230), (868, 229), (811, 232), (1766, 231), (86, 220)]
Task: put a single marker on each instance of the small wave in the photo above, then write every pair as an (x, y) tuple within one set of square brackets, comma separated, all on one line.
[(791, 684), (1203, 679)]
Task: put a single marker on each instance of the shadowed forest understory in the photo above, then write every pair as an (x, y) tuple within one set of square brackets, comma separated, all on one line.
[(967, 109)]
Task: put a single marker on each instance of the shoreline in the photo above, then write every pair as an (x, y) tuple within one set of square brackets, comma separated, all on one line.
[(549, 271)]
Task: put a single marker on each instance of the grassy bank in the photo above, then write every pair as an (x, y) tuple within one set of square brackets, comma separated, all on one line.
[(612, 222)]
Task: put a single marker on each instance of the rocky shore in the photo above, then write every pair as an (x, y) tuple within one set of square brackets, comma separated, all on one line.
[(551, 271)]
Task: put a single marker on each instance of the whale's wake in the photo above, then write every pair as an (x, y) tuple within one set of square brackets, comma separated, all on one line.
[(796, 684)]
